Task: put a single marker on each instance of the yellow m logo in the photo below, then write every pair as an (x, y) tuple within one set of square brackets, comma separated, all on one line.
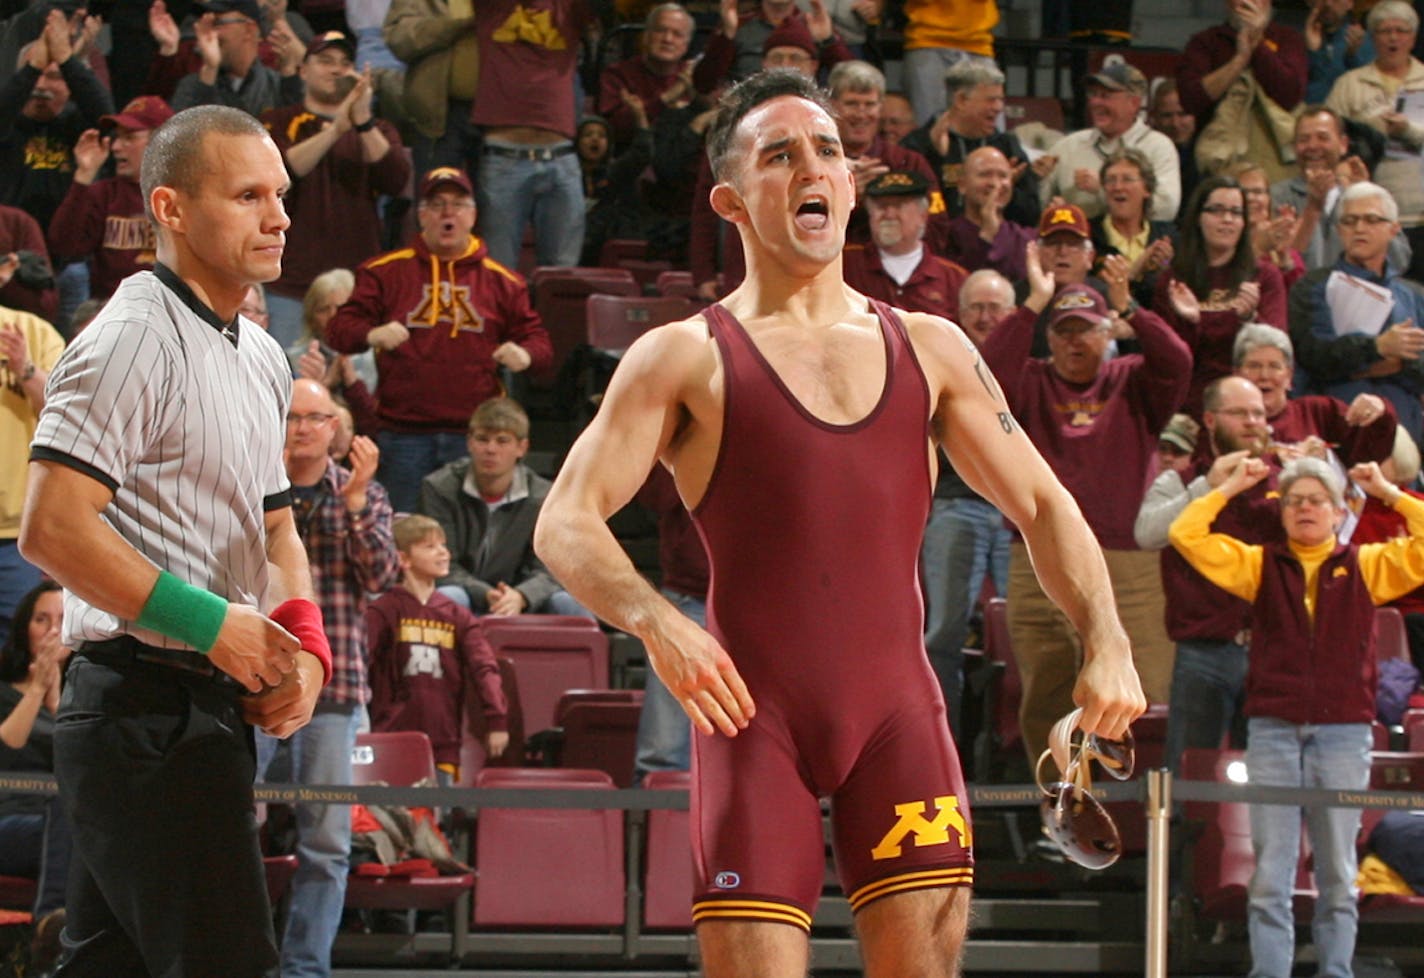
[(927, 833)]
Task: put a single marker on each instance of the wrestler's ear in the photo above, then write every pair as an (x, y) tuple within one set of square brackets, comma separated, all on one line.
[(728, 203)]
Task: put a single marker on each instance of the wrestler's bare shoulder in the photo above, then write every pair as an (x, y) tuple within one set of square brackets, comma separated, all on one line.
[(942, 347)]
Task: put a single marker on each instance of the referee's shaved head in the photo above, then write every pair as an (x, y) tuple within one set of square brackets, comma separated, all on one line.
[(174, 157)]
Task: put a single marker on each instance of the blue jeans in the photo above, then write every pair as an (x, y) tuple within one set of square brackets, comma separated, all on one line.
[(559, 603), (924, 78), (1332, 755), (964, 540), (513, 192), (664, 731), (18, 577), (1208, 679), (319, 753), (408, 457)]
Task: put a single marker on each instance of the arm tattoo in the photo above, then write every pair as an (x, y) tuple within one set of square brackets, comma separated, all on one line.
[(991, 385)]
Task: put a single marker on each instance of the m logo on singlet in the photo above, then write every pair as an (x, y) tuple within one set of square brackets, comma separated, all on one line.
[(912, 821)]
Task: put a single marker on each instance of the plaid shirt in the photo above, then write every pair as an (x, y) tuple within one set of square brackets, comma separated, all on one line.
[(351, 555)]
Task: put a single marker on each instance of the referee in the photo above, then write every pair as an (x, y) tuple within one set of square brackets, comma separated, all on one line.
[(158, 498)]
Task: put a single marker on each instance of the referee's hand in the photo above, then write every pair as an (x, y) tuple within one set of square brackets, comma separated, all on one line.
[(284, 709), (253, 649)]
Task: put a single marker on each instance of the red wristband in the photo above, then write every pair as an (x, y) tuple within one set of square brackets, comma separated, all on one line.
[(303, 619)]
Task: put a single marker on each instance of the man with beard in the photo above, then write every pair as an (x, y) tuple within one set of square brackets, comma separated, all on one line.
[(342, 158), (1209, 626), (44, 106), (103, 221), (896, 267)]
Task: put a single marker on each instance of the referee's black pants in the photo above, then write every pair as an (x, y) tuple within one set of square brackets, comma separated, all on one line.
[(155, 767)]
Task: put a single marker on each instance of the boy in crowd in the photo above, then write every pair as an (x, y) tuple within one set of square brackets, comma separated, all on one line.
[(422, 647)]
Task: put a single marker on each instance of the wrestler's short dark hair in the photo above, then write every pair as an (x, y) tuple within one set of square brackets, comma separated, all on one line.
[(174, 155), (746, 95)]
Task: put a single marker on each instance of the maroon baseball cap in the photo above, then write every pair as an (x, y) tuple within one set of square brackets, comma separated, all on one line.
[(445, 176), (792, 33), (144, 112), (332, 39), (1078, 302), (1063, 217)]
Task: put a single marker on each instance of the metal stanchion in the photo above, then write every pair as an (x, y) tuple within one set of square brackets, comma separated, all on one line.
[(1159, 813)]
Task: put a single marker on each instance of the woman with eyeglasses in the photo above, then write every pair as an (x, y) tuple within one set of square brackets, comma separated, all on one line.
[(1215, 283), (1310, 682), (1126, 228), (34, 837), (1373, 95), (1272, 230)]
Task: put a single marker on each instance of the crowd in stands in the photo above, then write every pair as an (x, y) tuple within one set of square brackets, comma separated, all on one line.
[(1220, 267)]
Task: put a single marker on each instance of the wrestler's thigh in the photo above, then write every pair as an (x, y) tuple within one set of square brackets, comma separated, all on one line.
[(918, 933), (757, 842)]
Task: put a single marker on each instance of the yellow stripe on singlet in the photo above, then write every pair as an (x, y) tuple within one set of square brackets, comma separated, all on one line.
[(782, 913), (960, 876)]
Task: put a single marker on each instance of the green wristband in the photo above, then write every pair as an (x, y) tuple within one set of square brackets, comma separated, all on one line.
[(182, 611)]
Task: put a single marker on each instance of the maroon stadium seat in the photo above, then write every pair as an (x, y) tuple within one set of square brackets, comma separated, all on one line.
[(667, 884), (601, 731), (559, 296), (1391, 639), (472, 738), (615, 321), (1391, 771), (550, 660)]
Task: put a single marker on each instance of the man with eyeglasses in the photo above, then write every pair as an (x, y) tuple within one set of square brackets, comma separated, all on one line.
[(1342, 360), (1310, 695), (444, 318), (1209, 627), (344, 519), (660, 76), (227, 36), (342, 159), (1088, 415)]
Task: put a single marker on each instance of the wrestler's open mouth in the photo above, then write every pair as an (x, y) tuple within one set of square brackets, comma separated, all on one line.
[(813, 214)]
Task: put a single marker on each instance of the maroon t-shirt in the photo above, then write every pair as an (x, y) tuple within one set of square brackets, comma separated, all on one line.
[(1317, 414), (528, 54), (106, 223)]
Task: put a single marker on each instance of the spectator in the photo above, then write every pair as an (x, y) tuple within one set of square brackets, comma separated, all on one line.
[(1242, 81), (1369, 95), (1125, 228), (664, 733), (939, 35), (1343, 363), (1210, 627), (982, 236), (254, 306), (342, 160), (437, 41), (741, 46), (1169, 118), (344, 520), (1362, 431), (1088, 415), (1216, 283), (487, 505), (1380, 524), (1309, 715), (103, 221), (975, 100), (34, 833), (1334, 44), (1176, 446), (29, 348), (966, 538), (1065, 251), (226, 37), (1070, 170), (84, 315), (610, 185), (1325, 168), (529, 173), (1273, 228), (659, 77), (44, 106), (895, 267), (26, 276), (351, 378), (897, 117), (443, 317), (423, 646)]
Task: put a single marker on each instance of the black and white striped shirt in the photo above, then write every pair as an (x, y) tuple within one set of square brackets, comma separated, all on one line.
[(183, 417)]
